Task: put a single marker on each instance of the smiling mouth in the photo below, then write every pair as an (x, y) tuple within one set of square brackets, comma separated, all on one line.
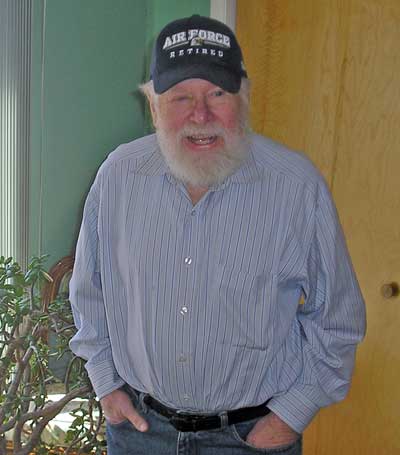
[(202, 140)]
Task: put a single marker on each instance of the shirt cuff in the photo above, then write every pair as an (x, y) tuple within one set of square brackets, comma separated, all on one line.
[(294, 408), (104, 377)]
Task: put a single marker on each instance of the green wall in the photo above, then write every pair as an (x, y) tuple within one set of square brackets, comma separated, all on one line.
[(91, 58), (87, 60), (160, 12)]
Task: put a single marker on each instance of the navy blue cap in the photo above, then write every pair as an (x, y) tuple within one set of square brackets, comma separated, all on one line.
[(197, 47)]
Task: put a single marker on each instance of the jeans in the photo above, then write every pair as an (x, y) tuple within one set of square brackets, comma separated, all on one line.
[(163, 439)]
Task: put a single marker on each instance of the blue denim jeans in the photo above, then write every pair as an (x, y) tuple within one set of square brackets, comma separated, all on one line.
[(163, 439)]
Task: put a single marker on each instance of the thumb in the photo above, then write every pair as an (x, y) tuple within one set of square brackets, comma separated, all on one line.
[(136, 419)]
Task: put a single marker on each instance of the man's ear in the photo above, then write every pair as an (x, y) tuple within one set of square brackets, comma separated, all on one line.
[(153, 110)]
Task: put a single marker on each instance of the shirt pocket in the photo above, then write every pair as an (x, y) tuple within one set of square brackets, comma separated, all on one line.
[(246, 305)]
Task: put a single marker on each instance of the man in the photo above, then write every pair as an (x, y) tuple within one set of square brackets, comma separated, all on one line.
[(196, 246)]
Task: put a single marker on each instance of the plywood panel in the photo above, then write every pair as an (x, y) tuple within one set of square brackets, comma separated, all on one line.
[(290, 49), (366, 188), (326, 80)]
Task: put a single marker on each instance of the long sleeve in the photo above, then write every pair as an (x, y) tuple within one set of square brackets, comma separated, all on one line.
[(91, 341), (330, 323)]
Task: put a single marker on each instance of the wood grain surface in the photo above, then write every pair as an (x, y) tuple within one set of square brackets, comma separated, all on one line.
[(326, 80)]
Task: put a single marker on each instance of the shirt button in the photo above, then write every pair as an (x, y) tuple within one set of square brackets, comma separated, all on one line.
[(184, 310), (182, 358), (188, 260), (186, 397), (193, 212)]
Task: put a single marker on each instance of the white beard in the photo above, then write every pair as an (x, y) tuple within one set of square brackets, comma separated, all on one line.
[(203, 170)]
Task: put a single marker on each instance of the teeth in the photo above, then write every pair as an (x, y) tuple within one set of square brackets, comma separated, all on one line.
[(201, 139)]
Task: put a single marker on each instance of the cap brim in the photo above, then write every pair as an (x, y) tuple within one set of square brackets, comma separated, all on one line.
[(215, 74)]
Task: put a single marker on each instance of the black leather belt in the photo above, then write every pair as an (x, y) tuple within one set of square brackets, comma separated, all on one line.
[(192, 422)]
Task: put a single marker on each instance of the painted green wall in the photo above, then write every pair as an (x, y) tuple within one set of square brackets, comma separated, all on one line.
[(87, 60), (160, 12)]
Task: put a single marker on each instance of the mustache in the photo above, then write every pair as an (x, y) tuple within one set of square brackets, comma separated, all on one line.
[(209, 130)]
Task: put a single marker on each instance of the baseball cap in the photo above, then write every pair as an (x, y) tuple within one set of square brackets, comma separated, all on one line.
[(197, 47)]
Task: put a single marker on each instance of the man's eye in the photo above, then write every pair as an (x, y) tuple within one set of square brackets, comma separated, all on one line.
[(218, 93), (182, 98)]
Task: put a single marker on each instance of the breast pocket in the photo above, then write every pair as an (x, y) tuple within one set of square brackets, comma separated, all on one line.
[(246, 304)]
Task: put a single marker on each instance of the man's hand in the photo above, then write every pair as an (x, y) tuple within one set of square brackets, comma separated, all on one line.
[(270, 432), (117, 407)]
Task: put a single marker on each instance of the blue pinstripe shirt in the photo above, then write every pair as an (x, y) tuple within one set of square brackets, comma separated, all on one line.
[(199, 306)]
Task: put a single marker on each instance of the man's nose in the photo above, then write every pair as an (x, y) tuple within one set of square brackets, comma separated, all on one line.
[(201, 113)]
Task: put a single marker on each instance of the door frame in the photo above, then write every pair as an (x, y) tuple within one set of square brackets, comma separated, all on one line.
[(224, 11)]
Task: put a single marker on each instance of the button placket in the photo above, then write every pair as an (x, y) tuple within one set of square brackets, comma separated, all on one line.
[(188, 258), (188, 264)]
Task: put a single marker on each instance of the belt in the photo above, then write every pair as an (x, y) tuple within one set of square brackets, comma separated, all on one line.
[(191, 422)]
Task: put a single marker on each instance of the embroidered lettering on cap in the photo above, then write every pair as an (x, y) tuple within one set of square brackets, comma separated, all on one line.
[(175, 40), (192, 33), (197, 38), (196, 51), (211, 36)]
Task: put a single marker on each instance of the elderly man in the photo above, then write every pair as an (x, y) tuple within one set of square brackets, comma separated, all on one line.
[(196, 247)]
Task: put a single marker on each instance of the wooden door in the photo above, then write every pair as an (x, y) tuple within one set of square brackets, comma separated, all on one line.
[(326, 80)]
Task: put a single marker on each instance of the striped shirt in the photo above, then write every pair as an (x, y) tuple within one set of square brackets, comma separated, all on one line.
[(200, 305)]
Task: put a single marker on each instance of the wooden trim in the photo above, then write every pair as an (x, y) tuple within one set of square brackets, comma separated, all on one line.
[(224, 11)]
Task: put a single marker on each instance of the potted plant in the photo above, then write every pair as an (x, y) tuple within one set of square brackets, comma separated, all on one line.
[(27, 322)]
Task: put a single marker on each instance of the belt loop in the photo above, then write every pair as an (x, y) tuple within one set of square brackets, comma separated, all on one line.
[(224, 419), (130, 391), (142, 405)]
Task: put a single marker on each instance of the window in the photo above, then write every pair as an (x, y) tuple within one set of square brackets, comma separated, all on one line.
[(15, 51)]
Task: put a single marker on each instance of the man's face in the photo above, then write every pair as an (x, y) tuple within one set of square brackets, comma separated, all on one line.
[(200, 128)]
